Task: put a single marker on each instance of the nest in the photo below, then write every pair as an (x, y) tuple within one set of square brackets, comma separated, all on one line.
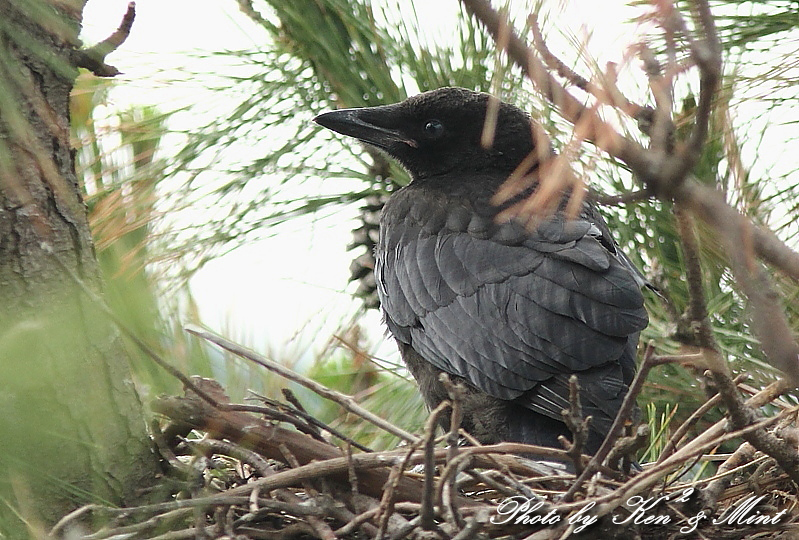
[(273, 471)]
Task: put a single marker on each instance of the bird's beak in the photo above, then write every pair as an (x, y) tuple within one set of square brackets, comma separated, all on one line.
[(364, 125)]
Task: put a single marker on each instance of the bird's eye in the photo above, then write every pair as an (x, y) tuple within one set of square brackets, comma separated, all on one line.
[(433, 129)]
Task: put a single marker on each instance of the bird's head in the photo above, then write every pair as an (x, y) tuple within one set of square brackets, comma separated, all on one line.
[(439, 132)]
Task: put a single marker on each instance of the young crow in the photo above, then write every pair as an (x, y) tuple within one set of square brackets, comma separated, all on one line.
[(511, 312)]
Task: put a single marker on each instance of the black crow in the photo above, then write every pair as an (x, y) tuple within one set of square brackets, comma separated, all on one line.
[(511, 312)]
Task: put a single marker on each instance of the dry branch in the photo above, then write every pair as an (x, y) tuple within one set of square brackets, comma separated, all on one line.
[(347, 402), (666, 171), (266, 439), (93, 58), (326, 492)]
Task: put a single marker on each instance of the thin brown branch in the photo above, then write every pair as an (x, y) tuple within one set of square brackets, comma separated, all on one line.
[(165, 451), (697, 305), (473, 526), (743, 455), (569, 106), (653, 475), (213, 446), (321, 528), (346, 402), (740, 414), (621, 198), (93, 58), (162, 511), (290, 417), (427, 512), (662, 130), (447, 487), (769, 323), (315, 458), (628, 446), (691, 420), (405, 531), (297, 417), (774, 251), (556, 64), (356, 522), (707, 55), (387, 502), (618, 422), (577, 424)]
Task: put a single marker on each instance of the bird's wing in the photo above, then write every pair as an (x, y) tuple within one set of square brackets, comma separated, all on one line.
[(513, 313)]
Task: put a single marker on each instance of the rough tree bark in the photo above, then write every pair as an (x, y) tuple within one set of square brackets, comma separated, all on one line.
[(72, 427)]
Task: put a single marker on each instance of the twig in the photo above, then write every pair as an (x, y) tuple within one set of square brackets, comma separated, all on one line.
[(319, 526), (406, 530), (772, 250), (652, 475), (740, 415), (356, 522), (93, 58), (207, 446), (427, 511), (456, 392), (769, 323), (447, 487), (265, 439), (473, 526), (697, 305), (615, 428), (608, 93), (661, 132), (291, 398), (352, 475), (274, 413), (767, 245), (573, 417), (570, 107), (707, 55), (360, 504), (487, 479), (302, 415), (291, 459), (626, 446), (73, 516), (622, 198), (162, 511), (347, 402), (386, 507), (691, 420), (140, 528), (556, 64), (164, 449)]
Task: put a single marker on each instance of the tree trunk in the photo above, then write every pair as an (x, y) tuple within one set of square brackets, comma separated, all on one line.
[(72, 429)]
